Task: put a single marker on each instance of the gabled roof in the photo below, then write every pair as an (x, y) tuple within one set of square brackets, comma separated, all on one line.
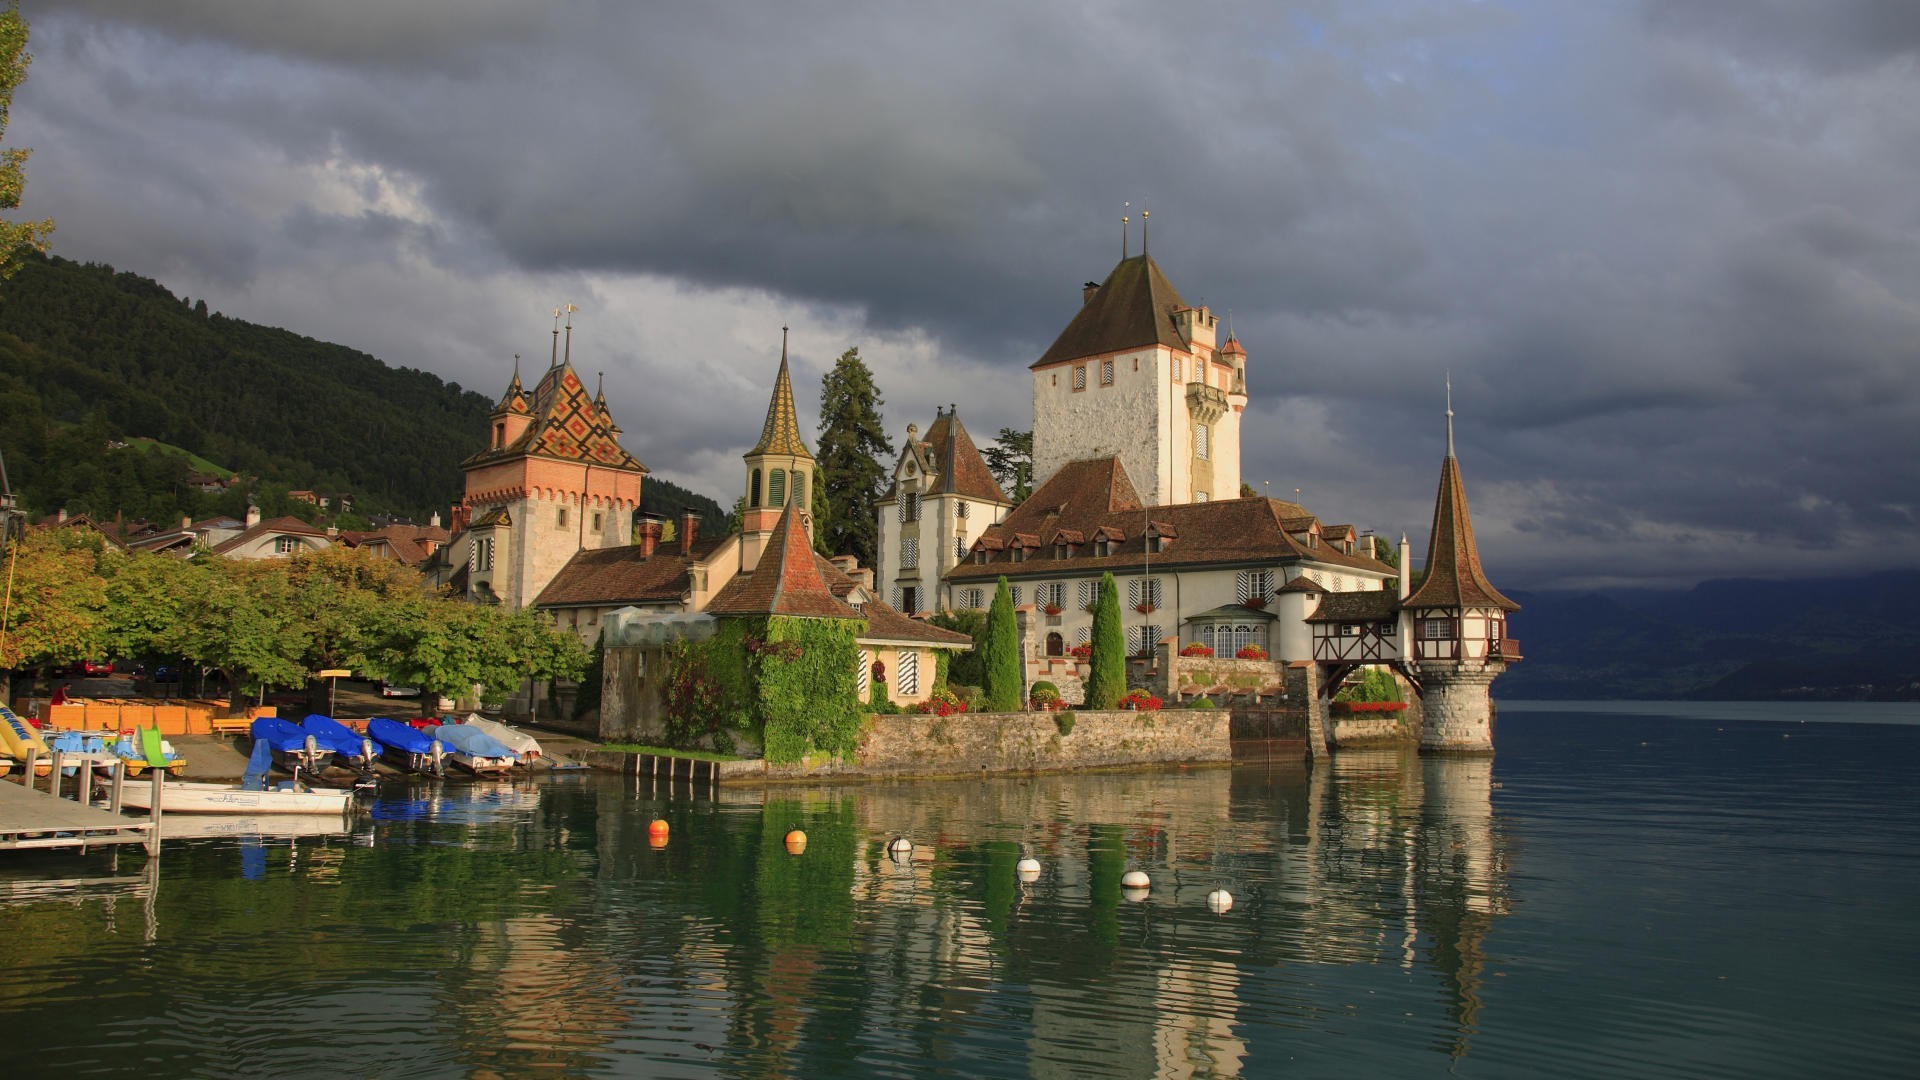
[(565, 425), (781, 433), (1132, 309), (1372, 605), (1094, 495), (603, 577), (787, 580), (1454, 578), (280, 526), (958, 462)]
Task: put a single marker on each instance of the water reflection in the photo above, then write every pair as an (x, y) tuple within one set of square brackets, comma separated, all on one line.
[(490, 930)]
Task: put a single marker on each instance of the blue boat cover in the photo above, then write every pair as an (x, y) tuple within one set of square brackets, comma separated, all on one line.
[(395, 735), (472, 742), (282, 735), (258, 765), (331, 734)]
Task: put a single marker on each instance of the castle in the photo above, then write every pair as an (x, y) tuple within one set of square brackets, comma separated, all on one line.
[(1137, 409)]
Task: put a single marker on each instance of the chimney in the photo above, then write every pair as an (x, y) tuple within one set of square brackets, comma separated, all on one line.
[(846, 564), (333, 531), (434, 520), (649, 529), (863, 575), (689, 530), (186, 522), (253, 516), (1406, 567), (62, 517), (1088, 292)]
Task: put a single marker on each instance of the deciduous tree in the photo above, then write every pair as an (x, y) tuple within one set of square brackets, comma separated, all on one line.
[(15, 236), (53, 611)]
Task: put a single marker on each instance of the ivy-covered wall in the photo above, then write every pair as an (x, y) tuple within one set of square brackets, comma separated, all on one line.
[(802, 671)]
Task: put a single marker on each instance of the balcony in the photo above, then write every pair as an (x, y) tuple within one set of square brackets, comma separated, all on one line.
[(1507, 649)]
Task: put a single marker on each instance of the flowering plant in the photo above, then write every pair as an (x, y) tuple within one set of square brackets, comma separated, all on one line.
[(1250, 652), (1044, 697), (1082, 651), (1197, 649), (1052, 609), (1144, 607), (1140, 699), (942, 703), (1349, 707), (1255, 603)]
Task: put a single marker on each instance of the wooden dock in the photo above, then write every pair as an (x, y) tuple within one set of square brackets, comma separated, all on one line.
[(30, 818)]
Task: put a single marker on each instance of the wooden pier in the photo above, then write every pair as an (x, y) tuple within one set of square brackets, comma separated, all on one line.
[(31, 818)]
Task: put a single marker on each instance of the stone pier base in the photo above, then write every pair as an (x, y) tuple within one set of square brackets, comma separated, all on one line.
[(1458, 710)]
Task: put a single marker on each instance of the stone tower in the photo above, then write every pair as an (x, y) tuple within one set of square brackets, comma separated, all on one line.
[(553, 480), (780, 469), (943, 497), (1137, 375), (1458, 626)]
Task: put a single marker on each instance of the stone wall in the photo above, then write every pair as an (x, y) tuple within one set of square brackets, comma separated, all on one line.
[(1458, 709), (969, 744), (1368, 729)]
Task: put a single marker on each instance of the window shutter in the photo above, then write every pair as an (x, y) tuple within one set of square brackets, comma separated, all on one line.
[(864, 676), (908, 678)]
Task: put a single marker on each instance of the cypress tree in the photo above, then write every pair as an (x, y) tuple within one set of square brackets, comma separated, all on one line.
[(1004, 678), (1107, 674)]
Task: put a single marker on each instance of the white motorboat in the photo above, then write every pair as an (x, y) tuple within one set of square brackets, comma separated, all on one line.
[(512, 738), (184, 797)]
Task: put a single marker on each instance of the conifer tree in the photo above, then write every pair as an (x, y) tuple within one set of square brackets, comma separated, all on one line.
[(853, 443), (15, 236), (1004, 677), (1107, 674), (1010, 460)]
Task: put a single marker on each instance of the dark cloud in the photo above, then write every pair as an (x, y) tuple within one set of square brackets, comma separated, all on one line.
[(1669, 257)]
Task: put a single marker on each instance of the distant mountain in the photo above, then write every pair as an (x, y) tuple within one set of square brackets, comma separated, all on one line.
[(91, 359), (1852, 638)]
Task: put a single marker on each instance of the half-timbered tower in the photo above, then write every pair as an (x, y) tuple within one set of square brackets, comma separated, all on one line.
[(1456, 626)]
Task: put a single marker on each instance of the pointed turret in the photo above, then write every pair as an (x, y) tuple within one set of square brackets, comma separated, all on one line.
[(1454, 576), (779, 467)]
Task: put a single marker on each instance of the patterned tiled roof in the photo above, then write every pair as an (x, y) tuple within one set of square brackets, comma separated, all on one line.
[(787, 581), (1091, 495), (1454, 578), (1133, 308), (958, 462), (781, 433), (565, 425)]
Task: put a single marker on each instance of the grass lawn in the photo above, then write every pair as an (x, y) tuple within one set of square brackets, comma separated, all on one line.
[(661, 751), (194, 461)]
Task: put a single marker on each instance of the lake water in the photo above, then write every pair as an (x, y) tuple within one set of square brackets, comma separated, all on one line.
[(1677, 890)]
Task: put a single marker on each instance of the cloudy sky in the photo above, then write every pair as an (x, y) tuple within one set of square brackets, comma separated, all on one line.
[(1668, 249)]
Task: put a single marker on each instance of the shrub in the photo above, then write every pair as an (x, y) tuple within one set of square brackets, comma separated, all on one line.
[(1107, 677), (1141, 700), (1251, 652), (1201, 702), (969, 695), (1063, 721), (1044, 695), (1081, 651), (1004, 667), (1197, 649), (1374, 684), (942, 703), (967, 667)]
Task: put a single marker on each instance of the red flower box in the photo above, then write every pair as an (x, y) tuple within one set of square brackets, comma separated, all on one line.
[(1196, 649), (1251, 652), (1348, 708), (1052, 609)]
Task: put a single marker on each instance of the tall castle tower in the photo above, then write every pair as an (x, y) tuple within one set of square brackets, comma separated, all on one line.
[(553, 480), (1137, 375), (943, 497), (780, 469), (1459, 626)]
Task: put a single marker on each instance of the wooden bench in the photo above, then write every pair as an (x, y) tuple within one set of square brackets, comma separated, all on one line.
[(231, 725)]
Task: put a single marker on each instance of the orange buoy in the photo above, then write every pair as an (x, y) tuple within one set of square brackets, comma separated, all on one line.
[(796, 841), (657, 832)]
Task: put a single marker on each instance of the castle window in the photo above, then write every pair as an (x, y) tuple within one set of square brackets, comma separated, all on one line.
[(596, 521), (960, 511), (910, 506), (1436, 629), (777, 488), (907, 676), (1060, 550), (1106, 373), (499, 434), (1136, 595), (1103, 547), (480, 556), (1056, 645), (800, 488), (909, 599), (560, 517), (1019, 554), (971, 599), (1199, 496), (1080, 376), (909, 554), (1144, 639), (959, 549), (1200, 441), (1013, 591), (980, 557), (286, 545), (1252, 585), (1051, 595), (753, 493), (1089, 592), (1176, 369)]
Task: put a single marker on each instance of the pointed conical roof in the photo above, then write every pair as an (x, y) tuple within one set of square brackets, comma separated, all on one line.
[(515, 399), (566, 425), (961, 468), (781, 433), (787, 580), (1133, 308), (1454, 578)]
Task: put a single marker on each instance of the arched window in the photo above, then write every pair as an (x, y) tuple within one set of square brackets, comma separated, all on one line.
[(777, 488), (1056, 645), (753, 493), (499, 434)]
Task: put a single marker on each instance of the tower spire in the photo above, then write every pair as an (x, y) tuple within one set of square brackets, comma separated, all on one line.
[(570, 310), (554, 361), (1144, 213), (781, 433), (1449, 414), (1124, 219)]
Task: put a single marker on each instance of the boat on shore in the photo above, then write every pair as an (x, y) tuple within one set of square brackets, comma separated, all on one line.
[(20, 740), (288, 744), (349, 747), (252, 795), (510, 737), (474, 750), (406, 746)]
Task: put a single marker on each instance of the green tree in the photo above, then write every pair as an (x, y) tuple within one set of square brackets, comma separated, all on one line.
[(15, 236), (1107, 667), (1010, 459), (1004, 675), (966, 668), (53, 611), (853, 447)]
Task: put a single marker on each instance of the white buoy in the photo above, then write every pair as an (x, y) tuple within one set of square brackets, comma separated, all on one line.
[(1135, 879), (1134, 896), (1028, 869), (1220, 901), (899, 845)]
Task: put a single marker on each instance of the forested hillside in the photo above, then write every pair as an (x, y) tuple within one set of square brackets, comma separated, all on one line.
[(90, 357)]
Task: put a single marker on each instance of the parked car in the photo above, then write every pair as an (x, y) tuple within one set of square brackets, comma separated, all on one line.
[(95, 669), (166, 673), (388, 689)]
